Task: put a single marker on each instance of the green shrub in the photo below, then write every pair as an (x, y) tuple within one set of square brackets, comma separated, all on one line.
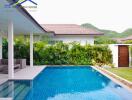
[(4, 48), (60, 53), (55, 55), (21, 48)]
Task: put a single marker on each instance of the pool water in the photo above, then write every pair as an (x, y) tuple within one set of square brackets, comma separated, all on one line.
[(66, 83)]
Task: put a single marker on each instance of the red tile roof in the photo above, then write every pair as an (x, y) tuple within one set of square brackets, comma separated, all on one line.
[(127, 38), (70, 29), (123, 39)]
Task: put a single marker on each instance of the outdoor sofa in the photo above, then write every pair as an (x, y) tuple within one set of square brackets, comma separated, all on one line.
[(18, 64)]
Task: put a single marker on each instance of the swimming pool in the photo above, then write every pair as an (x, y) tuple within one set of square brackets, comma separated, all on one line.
[(66, 83)]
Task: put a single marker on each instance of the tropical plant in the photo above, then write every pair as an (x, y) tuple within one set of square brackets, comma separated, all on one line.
[(4, 48), (60, 53)]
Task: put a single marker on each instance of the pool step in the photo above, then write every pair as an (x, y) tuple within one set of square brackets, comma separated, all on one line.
[(4, 86), (22, 94), (5, 92), (16, 90)]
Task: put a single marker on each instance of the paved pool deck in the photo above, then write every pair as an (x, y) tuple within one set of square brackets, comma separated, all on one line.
[(28, 73), (3, 78)]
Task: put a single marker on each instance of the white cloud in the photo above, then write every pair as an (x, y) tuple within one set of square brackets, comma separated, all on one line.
[(106, 14)]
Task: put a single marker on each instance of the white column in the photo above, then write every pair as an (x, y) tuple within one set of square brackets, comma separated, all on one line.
[(31, 49), (1, 46), (10, 50), (114, 49)]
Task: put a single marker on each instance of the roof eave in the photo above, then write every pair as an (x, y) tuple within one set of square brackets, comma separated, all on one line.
[(80, 34), (26, 14)]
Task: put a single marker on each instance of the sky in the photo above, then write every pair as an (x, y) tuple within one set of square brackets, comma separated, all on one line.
[(105, 14)]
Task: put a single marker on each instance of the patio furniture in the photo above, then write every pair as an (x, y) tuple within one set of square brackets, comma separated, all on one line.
[(18, 64)]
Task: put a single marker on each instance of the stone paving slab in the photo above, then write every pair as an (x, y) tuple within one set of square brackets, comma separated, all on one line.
[(3, 78), (28, 73)]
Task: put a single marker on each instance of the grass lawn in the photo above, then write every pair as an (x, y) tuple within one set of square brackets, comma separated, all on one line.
[(125, 73)]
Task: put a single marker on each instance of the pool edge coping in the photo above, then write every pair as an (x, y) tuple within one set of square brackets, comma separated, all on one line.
[(115, 78), (31, 78)]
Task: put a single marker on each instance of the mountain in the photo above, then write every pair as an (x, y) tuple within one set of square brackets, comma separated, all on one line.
[(127, 32), (110, 33), (87, 25)]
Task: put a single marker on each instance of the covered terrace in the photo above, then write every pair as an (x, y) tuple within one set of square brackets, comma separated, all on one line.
[(14, 21)]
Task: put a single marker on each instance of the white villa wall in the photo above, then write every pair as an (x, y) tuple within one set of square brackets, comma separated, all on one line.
[(82, 39), (114, 49)]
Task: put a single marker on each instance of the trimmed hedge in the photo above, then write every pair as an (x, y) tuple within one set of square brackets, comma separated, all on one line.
[(60, 53)]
